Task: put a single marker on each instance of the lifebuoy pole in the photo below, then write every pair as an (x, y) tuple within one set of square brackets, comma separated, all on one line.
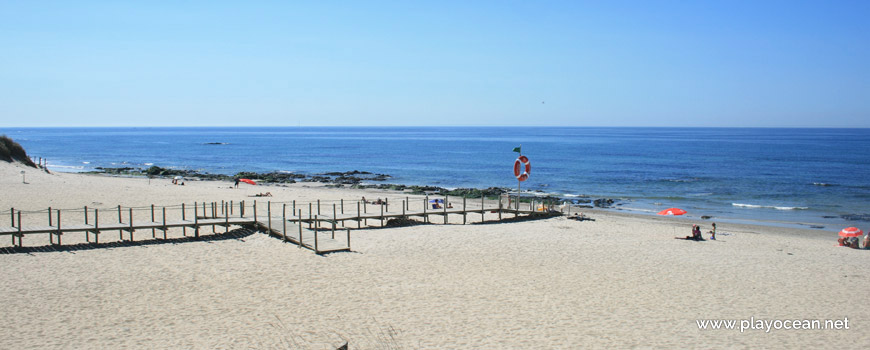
[(519, 183)]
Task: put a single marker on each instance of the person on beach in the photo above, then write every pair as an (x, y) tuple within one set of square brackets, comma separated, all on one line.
[(696, 234), (237, 183), (851, 242), (867, 240), (713, 232)]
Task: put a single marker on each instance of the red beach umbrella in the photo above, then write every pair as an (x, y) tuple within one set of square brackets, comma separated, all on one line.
[(248, 181), (851, 232), (672, 211)]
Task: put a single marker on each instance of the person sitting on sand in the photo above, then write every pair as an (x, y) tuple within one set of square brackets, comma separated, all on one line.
[(449, 205), (696, 234), (851, 242)]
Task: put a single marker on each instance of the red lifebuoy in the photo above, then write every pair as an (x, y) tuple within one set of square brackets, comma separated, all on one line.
[(521, 162)]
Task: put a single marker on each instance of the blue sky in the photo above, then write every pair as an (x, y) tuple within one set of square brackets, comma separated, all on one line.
[(573, 63)]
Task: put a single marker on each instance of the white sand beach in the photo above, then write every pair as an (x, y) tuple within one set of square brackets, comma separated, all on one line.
[(621, 281)]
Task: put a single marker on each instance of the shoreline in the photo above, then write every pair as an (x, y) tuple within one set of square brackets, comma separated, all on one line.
[(616, 206), (374, 192), (620, 280)]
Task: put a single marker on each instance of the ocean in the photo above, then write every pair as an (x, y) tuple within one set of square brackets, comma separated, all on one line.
[(800, 177)]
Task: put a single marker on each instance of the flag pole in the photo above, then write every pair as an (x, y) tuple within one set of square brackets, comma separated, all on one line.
[(519, 182)]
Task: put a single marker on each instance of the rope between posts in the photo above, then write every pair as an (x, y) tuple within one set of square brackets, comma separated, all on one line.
[(189, 206)]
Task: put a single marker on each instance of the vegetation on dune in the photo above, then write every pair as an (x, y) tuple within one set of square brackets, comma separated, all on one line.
[(11, 151)]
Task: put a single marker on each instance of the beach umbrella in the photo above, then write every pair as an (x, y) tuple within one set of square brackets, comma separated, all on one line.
[(672, 211), (248, 181), (851, 232)]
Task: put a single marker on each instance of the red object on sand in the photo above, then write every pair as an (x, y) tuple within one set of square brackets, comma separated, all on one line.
[(851, 232), (672, 211), (248, 181)]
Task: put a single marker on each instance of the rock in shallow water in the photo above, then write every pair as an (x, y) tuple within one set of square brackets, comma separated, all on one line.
[(856, 217)]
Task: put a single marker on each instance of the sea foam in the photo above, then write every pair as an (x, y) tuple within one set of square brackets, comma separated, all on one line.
[(755, 206)]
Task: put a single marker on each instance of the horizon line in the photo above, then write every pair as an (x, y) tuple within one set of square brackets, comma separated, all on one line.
[(431, 126)]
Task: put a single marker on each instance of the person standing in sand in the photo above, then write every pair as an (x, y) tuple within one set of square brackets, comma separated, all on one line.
[(713, 232)]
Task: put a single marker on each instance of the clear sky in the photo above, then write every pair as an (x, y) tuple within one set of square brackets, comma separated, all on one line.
[(574, 63)]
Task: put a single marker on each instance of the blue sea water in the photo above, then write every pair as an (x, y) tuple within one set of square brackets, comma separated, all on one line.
[(767, 175)]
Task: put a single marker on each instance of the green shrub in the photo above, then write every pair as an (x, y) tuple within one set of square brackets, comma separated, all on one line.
[(11, 151)]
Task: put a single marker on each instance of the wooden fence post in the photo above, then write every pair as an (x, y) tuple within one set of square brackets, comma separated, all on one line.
[(464, 213), (164, 223), (59, 232), (183, 218), (87, 233), (120, 221), (20, 235), (96, 226), (153, 230), (299, 221), (227, 217), (131, 224), (446, 201), (196, 219), (316, 227)]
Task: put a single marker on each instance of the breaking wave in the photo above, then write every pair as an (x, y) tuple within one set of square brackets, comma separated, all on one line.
[(755, 206)]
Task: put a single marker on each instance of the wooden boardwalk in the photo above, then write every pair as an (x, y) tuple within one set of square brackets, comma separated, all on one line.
[(314, 230)]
